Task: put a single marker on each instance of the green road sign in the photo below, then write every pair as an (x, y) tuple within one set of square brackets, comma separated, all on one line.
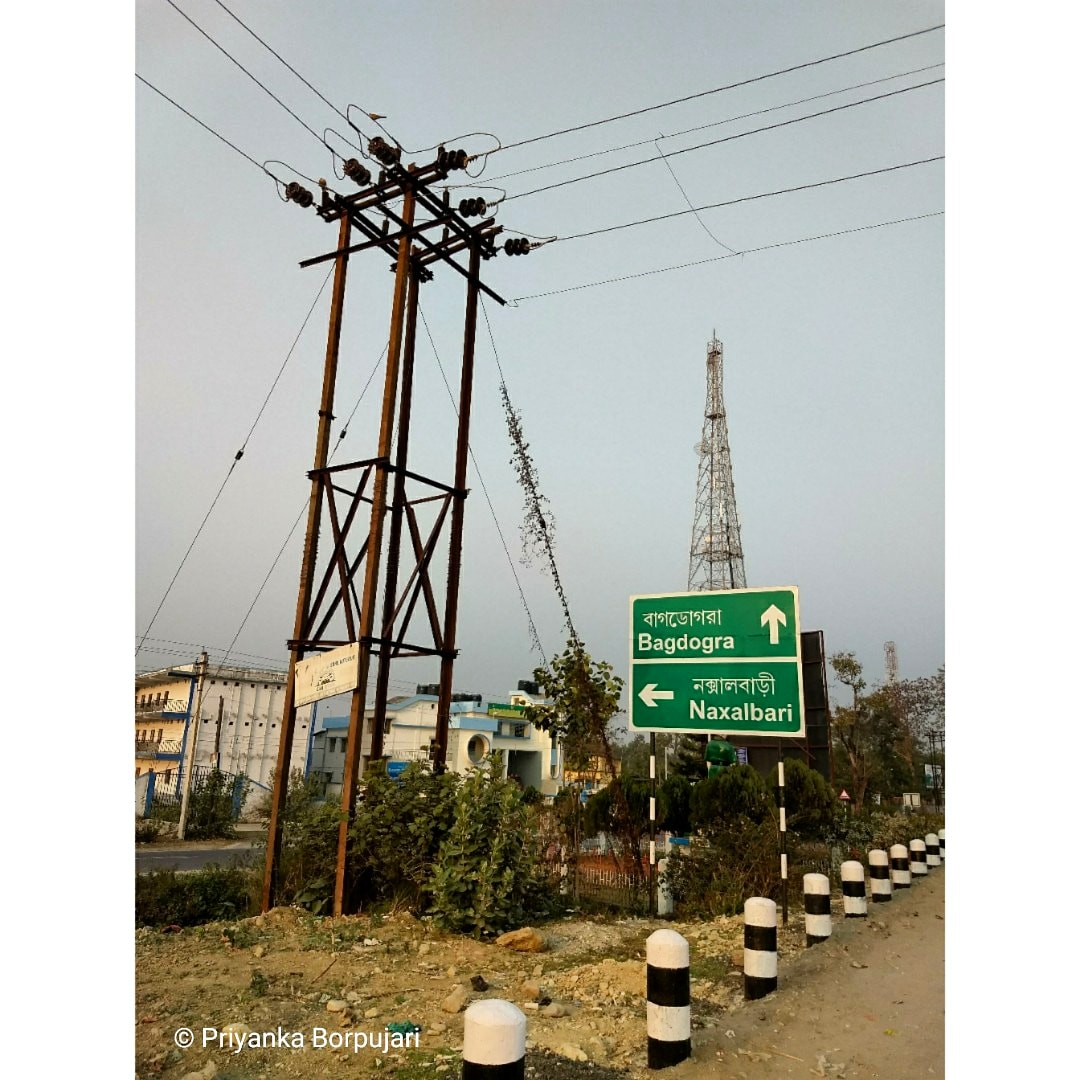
[(724, 662)]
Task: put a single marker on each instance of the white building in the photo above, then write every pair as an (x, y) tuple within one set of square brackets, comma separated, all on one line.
[(475, 731), (240, 728)]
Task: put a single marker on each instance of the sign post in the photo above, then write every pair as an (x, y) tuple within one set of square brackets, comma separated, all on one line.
[(724, 662)]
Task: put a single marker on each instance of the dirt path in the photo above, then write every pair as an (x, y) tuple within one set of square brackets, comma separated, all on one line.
[(868, 1003)]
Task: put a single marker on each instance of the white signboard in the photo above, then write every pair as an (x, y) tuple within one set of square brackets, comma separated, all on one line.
[(327, 674)]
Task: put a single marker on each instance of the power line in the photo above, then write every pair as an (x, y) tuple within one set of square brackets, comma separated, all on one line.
[(303, 508), (534, 635), (202, 124), (719, 258), (727, 138), (716, 123), (720, 89), (232, 466), (261, 85), (693, 209), (237, 18), (752, 198)]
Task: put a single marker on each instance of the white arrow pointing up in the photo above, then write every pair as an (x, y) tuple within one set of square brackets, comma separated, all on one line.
[(775, 618), (650, 695)]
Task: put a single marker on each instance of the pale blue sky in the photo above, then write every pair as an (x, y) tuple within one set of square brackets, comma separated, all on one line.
[(834, 379)]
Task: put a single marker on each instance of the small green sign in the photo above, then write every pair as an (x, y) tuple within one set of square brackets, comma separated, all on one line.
[(724, 662)]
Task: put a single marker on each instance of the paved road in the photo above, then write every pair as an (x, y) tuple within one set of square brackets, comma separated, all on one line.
[(192, 856), (869, 1004)]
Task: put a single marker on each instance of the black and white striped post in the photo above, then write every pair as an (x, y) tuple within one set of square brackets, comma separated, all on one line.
[(853, 881), (494, 1041), (917, 848), (941, 844), (783, 837), (652, 823), (818, 905), (667, 979), (899, 867), (880, 882), (759, 947), (933, 851)]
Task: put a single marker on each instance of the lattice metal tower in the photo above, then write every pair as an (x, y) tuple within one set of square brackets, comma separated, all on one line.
[(716, 554), (891, 667)]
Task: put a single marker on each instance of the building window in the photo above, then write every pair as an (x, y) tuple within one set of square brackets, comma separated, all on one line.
[(519, 731), (386, 727)]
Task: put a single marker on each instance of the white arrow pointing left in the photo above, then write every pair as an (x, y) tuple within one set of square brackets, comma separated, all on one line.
[(650, 695)]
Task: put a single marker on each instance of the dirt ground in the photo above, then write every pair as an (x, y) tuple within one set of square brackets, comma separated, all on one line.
[(868, 1003)]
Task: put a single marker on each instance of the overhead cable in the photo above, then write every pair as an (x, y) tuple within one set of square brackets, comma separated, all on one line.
[(727, 138), (720, 89), (720, 258)]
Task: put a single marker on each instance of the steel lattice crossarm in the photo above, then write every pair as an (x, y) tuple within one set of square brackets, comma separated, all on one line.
[(393, 183)]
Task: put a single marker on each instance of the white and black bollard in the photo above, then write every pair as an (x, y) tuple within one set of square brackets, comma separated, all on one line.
[(667, 980), (853, 880), (494, 1041), (759, 947), (933, 851), (941, 844), (880, 882), (818, 906), (898, 864), (918, 857)]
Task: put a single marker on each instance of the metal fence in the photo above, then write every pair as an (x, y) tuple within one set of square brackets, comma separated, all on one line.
[(163, 797)]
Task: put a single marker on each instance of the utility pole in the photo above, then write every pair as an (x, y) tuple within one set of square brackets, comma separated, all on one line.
[(189, 756), (417, 229)]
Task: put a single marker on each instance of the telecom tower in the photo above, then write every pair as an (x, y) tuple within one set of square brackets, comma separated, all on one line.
[(716, 555), (891, 667)]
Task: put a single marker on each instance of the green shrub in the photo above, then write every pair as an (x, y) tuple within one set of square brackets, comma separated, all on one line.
[(396, 835), (735, 861), (487, 869), (164, 897), (210, 807), (146, 830)]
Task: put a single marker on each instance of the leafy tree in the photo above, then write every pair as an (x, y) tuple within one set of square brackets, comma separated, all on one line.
[(921, 702), (582, 699), (601, 811), (737, 791), (810, 805), (673, 804), (877, 736)]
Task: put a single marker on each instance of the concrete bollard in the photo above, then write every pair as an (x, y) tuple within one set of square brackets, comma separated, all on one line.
[(898, 864), (933, 852), (759, 947), (941, 844), (494, 1041), (880, 882), (665, 902), (818, 905), (667, 980), (918, 857), (853, 880)]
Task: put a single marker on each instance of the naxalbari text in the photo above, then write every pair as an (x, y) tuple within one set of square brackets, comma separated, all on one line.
[(739, 714)]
